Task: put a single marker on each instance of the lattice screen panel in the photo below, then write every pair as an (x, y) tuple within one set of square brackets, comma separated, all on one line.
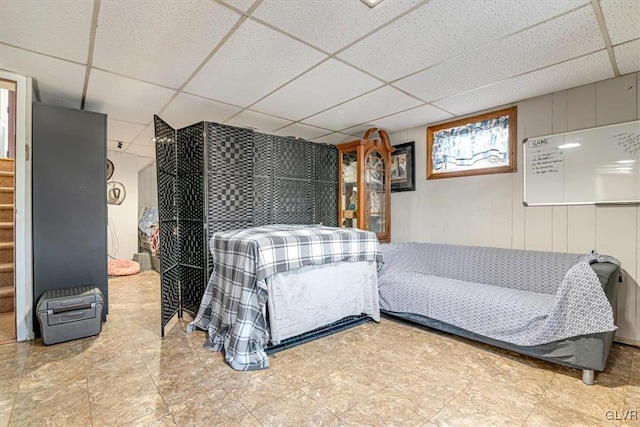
[(167, 204), (190, 149), (170, 294), (229, 150), (262, 179), (190, 159), (166, 166), (229, 175), (292, 158), (190, 197), (325, 163), (192, 294), (262, 200), (230, 197), (292, 202), (325, 185), (325, 203), (229, 171), (263, 155)]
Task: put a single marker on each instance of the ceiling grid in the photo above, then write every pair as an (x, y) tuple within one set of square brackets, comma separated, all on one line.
[(318, 70), (605, 36), (92, 43)]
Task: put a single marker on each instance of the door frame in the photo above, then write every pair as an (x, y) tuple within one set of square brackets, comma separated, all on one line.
[(23, 245)]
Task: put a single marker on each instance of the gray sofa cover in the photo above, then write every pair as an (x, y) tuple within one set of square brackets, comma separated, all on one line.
[(553, 306)]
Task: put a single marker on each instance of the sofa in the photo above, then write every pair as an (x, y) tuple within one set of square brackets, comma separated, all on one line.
[(557, 307)]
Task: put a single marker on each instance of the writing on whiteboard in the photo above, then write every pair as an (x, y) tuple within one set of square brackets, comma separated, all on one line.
[(544, 159), (538, 143), (629, 142)]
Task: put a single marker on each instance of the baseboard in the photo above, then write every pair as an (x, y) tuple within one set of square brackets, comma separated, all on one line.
[(627, 341)]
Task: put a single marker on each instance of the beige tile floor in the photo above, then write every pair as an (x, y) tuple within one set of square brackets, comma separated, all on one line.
[(7, 327), (376, 374)]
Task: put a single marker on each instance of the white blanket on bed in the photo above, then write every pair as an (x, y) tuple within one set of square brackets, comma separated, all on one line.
[(314, 296)]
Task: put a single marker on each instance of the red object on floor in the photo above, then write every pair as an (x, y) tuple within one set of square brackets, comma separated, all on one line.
[(123, 267)]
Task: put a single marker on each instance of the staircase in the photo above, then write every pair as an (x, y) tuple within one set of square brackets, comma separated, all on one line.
[(7, 288)]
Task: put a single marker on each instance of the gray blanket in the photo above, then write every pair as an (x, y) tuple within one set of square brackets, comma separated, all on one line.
[(522, 297)]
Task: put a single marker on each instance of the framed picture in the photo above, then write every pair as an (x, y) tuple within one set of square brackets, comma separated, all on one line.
[(478, 145), (403, 167)]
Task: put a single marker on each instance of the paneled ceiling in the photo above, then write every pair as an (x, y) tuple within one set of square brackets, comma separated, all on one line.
[(323, 70)]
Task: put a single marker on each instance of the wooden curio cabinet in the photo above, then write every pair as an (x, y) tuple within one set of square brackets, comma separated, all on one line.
[(365, 184)]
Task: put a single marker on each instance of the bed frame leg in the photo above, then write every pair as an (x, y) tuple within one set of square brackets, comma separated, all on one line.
[(588, 376)]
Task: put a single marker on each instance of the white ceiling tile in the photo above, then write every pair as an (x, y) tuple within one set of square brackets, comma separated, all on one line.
[(360, 130), (142, 150), (113, 145), (628, 56), (442, 29), (381, 102), (123, 98), (253, 62), (118, 130), (622, 19), (560, 39), (299, 130), (258, 121), (243, 5), (569, 74), (59, 82), (323, 87), (146, 137), (334, 138), (58, 28), (342, 22), (187, 109), (419, 116), (160, 42)]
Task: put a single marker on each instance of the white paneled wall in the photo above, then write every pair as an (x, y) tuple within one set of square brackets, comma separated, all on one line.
[(487, 210), (123, 218), (147, 187)]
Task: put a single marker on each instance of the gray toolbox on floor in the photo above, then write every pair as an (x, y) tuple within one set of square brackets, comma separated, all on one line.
[(69, 314)]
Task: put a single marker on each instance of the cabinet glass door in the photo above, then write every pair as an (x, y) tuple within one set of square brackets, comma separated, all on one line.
[(375, 211), (349, 202)]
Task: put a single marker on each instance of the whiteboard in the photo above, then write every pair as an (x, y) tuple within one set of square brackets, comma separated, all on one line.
[(598, 165)]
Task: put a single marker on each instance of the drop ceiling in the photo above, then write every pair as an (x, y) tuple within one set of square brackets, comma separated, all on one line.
[(320, 70)]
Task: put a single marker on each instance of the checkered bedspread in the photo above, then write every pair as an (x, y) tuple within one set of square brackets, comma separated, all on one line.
[(233, 306)]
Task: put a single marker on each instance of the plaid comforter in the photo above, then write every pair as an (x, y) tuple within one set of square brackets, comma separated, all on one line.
[(233, 306)]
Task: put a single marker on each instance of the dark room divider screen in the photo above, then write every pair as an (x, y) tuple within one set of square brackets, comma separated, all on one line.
[(213, 177)]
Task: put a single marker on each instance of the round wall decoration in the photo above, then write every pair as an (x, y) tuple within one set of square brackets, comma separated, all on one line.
[(116, 193), (110, 169)]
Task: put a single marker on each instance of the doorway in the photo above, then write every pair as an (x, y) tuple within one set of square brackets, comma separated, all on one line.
[(7, 210)]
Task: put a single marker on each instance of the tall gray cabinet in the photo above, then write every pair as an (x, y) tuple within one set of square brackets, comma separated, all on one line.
[(69, 200)]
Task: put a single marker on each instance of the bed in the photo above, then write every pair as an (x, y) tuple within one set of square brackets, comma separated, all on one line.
[(276, 282)]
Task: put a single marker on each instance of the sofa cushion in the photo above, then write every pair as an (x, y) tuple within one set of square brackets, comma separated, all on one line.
[(484, 309)]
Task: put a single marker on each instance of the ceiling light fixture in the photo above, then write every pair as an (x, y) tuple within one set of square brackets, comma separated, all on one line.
[(372, 3)]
